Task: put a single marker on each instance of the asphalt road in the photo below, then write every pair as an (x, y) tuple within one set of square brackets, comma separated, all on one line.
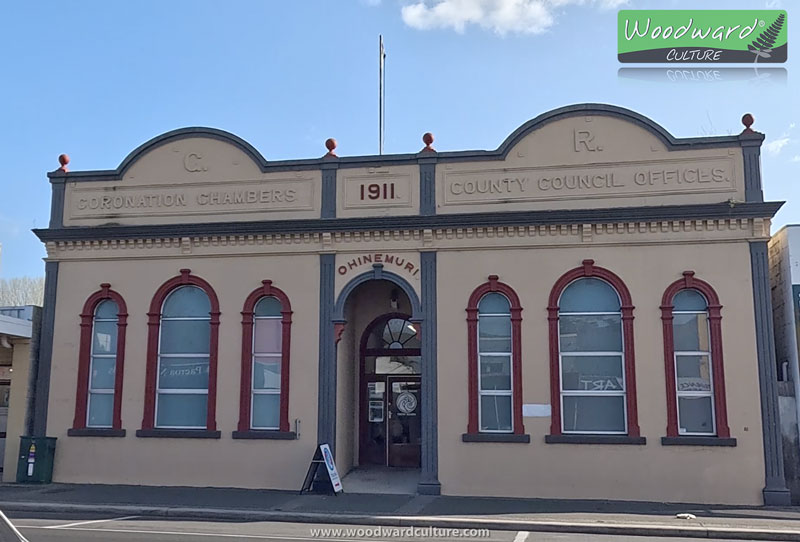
[(59, 528)]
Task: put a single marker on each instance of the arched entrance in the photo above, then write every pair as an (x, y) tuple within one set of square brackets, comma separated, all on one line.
[(390, 389)]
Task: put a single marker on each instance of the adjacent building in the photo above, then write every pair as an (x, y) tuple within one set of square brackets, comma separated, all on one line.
[(583, 312), (19, 333)]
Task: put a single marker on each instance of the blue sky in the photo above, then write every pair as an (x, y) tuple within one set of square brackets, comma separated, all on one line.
[(96, 79)]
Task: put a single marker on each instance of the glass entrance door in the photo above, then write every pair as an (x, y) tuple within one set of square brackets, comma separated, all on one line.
[(390, 426), (404, 426)]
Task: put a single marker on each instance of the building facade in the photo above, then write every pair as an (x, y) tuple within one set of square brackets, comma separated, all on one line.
[(582, 313)]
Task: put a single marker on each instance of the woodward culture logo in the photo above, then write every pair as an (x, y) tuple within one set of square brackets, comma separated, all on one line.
[(689, 36)]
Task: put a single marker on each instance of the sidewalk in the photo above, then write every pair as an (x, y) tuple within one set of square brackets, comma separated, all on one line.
[(568, 516)]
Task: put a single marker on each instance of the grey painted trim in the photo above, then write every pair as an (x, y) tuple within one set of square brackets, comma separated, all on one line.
[(751, 152), (95, 432), (464, 220), (328, 190), (326, 406), (775, 491), (586, 109), (177, 433), (57, 205), (495, 437), (377, 273), (429, 473), (427, 187), (594, 439), (42, 393), (33, 373), (269, 435), (697, 441)]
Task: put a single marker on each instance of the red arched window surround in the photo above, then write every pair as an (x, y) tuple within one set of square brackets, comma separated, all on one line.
[(494, 285), (245, 397), (588, 269), (689, 282), (153, 326), (84, 355)]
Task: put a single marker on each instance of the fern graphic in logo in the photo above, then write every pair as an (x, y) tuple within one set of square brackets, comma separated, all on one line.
[(702, 36), (762, 46)]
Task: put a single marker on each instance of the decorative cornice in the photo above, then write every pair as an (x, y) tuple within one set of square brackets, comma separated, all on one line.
[(489, 237), (564, 220)]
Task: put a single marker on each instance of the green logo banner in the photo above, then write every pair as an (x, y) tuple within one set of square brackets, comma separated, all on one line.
[(702, 36)]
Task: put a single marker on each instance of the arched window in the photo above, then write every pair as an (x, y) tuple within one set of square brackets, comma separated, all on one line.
[(98, 404), (593, 384), (590, 350), (691, 317), (266, 336), (182, 359), (494, 318)]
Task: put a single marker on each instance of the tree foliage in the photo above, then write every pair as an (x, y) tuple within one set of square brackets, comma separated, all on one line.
[(21, 291)]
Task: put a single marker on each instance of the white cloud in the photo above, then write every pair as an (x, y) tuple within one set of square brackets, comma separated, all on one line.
[(500, 16), (795, 158), (775, 147)]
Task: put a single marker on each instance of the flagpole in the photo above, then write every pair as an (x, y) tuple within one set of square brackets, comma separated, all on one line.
[(381, 92)]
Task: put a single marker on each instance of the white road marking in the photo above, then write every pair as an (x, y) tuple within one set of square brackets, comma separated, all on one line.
[(78, 523), (522, 536)]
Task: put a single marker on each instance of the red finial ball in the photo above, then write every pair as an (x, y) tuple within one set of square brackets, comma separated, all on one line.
[(330, 144), (427, 138), (63, 159), (748, 120)]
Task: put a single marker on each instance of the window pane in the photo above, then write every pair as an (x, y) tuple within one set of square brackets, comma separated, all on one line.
[(589, 295), (393, 365), (268, 306), (105, 338), (186, 301), (689, 300), (495, 413), (183, 373), (694, 373), (494, 304), (494, 334), (266, 410), (495, 372), (601, 333), (595, 373), (101, 409), (267, 373), (694, 414), (267, 336), (183, 410), (185, 336), (103, 372), (690, 332), (106, 309), (594, 414)]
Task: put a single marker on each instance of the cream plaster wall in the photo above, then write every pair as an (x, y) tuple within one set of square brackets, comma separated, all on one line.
[(18, 397), (194, 168), (652, 472), (589, 145), (200, 462)]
